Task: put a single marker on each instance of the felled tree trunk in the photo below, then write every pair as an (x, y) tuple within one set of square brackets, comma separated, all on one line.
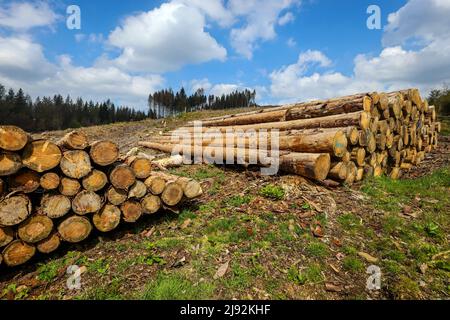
[(55, 206), (75, 140), (6, 236), (69, 187), (138, 190), (142, 167), (172, 194), (35, 229), (41, 155), (75, 229), (155, 184), (75, 164), (122, 177), (14, 210), (95, 181), (12, 138), (116, 196), (50, 181), (86, 202), (18, 253), (151, 204), (25, 181), (311, 165), (49, 244), (107, 219), (10, 163), (131, 211), (104, 153)]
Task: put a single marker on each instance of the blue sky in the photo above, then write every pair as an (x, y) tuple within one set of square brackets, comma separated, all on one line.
[(287, 50)]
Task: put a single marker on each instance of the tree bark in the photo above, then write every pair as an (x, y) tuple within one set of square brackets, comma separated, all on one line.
[(55, 206), (86, 202), (35, 229), (12, 138), (18, 253), (76, 164), (75, 229), (95, 181), (311, 165), (41, 155), (107, 219), (104, 153), (10, 163), (14, 210)]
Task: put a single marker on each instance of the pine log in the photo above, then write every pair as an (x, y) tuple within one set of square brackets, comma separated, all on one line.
[(359, 156), (347, 157), (170, 162), (191, 188), (12, 138), (155, 184), (122, 177), (74, 229), (86, 202), (14, 210), (75, 140), (368, 171), (352, 135), (107, 219), (95, 181), (338, 171), (55, 206), (10, 163), (172, 194), (395, 173), (6, 236), (50, 181), (142, 167), (359, 174), (104, 153), (151, 204), (69, 187), (18, 253), (49, 244), (76, 164), (311, 165), (138, 190), (131, 211), (352, 172), (116, 196), (25, 181), (41, 155), (35, 229)]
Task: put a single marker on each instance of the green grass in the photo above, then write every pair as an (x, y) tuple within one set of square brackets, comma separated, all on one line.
[(49, 271), (317, 249), (349, 221), (110, 291), (272, 192), (176, 286), (311, 274), (237, 201), (353, 264)]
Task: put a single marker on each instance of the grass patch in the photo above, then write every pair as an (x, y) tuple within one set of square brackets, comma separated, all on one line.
[(312, 274), (349, 221), (272, 192), (352, 264), (237, 201), (111, 291), (317, 249), (176, 287)]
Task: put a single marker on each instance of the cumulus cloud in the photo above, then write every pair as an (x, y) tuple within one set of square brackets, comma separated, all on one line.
[(23, 16), (286, 18), (164, 39)]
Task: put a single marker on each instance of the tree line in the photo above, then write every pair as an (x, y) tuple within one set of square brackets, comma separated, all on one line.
[(166, 102), (440, 98), (58, 113)]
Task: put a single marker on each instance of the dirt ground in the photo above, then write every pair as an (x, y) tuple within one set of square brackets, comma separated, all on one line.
[(257, 237)]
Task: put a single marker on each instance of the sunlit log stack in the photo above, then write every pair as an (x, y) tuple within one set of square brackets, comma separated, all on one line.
[(56, 192), (339, 140)]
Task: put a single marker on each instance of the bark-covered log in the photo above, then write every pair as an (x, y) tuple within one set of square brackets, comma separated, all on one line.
[(41, 155), (12, 138), (104, 153), (14, 210), (69, 187), (10, 163), (191, 188), (6, 236), (137, 190), (172, 194), (75, 140), (26, 181), (55, 206), (131, 211), (359, 156), (74, 229), (107, 219), (155, 184), (50, 181), (18, 253), (151, 204), (338, 171), (86, 202), (49, 244), (95, 181), (142, 167), (122, 177), (311, 165), (35, 229), (116, 196), (76, 164)]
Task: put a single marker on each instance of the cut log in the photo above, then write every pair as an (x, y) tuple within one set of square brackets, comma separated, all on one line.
[(6, 236), (395, 173), (10, 163), (191, 188), (76, 164), (311, 165), (35, 229), (104, 153), (41, 155), (122, 177), (352, 172), (347, 157), (138, 190), (86, 202), (359, 156), (55, 206), (18, 253), (74, 229), (95, 181), (49, 244), (75, 140), (116, 196), (12, 138), (170, 162), (69, 187), (155, 184), (107, 219), (338, 171), (151, 204), (25, 181), (50, 181), (359, 174), (352, 135), (172, 194), (131, 211), (142, 167), (14, 210)]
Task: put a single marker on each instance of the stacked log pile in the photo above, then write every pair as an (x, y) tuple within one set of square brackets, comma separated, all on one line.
[(340, 140), (55, 192)]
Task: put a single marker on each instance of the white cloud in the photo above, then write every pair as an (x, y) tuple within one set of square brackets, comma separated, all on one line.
[(23, 16), (260, 17), (164, 39), (196, 84), (291, 43), (214, 9), (20, 56), (286, 18)]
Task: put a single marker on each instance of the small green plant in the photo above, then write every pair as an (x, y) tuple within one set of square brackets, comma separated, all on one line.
[(49, 271), (237, 201), (100, 266), (349, 221), (317, 249), (352, 264), (272, 192), (295, 276)]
